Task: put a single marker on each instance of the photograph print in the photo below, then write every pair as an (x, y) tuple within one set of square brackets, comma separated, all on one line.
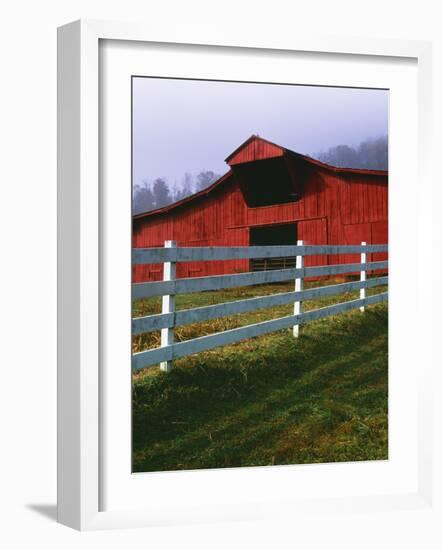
[(260, 274)]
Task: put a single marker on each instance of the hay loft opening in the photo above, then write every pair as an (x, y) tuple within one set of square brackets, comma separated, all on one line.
[(266, 182)]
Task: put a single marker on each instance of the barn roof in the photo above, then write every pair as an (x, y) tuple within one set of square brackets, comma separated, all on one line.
[(254, 140), (258, 148)]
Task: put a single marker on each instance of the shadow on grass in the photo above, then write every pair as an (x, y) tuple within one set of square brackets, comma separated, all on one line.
[(270, 400)]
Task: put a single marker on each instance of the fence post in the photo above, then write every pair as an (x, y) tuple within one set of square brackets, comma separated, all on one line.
[(168, 306), (363, 275), (298, 287)]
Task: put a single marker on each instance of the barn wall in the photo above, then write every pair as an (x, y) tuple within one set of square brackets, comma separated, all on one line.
[(333, 209)]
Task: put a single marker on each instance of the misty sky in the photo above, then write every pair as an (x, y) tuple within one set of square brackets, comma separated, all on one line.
[(189, 126)]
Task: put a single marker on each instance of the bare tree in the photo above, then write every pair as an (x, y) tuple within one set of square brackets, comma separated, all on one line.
[(186, 188), (204, 179), (162, 195), (143, 198)]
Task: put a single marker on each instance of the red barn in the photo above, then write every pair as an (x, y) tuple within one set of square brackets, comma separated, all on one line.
[(270, 195)]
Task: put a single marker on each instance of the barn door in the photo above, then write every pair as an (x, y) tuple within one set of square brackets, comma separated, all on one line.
[(269, 235)]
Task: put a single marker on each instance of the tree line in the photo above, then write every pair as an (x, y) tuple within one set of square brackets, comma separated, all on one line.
[(372, 154), (158, 193)]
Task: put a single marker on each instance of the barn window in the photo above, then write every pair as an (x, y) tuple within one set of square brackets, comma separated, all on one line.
[(282, 234), (266, 182)]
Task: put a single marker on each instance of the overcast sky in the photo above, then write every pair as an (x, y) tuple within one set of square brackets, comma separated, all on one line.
[(189, 126)]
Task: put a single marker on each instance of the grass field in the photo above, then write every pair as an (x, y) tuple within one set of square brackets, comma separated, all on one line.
[(270, 400)]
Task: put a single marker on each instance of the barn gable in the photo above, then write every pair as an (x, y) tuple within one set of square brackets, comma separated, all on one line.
[(254, 148), (265, 173)]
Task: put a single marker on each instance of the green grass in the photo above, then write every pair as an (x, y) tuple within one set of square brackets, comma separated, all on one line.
[(270, 400)]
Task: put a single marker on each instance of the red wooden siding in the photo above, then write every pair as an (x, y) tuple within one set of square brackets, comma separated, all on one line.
[(313, 232), (254, 149), (335, 206)]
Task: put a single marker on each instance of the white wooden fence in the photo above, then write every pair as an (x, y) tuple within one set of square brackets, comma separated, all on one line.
[(169, 319)]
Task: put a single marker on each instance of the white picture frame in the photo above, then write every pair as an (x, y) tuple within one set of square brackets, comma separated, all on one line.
[(80, 434)]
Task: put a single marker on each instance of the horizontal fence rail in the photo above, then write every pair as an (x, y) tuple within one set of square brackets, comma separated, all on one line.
[(212, 253), (219, 282), (170, 319), (203, 343), (188, 316)]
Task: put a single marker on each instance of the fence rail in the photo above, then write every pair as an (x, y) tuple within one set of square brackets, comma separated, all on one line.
[(169, 319), (211, 253), (219, 282)]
